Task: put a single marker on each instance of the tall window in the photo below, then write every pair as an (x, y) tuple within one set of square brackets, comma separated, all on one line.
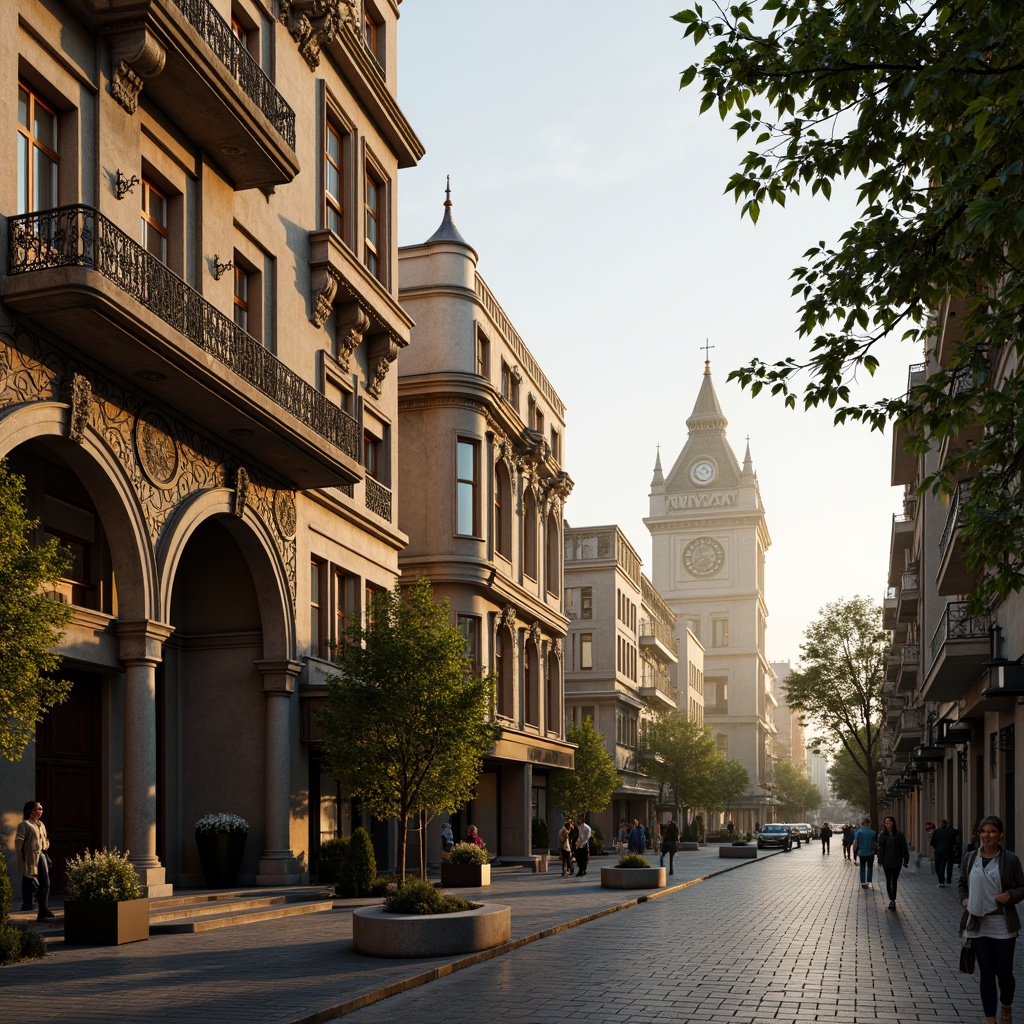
[(554, 549), (552, 689), (334, 209), (467, 475), (318, 620), (344, 591), (586, 650), (530, 535), (586, 602), (38, 162), (373, 35), (509, 385), (503, 670), (241, 299), (469, 627), (372, 454), (483, 355), (719, 632), (502, 511), (531, 683), (372, 239), (154, 221)]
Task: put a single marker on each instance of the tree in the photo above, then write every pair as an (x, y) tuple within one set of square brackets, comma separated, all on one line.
[(838, 687), (849, 783), (919, 104), (729, 781), (407, 723), (30, 622), (593, 780), (796, 794), (683, 756)]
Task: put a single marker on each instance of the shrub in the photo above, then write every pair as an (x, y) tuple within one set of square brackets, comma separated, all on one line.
[(5, 894), (419, 897), (222, 823), (359, 868), (596, 841), (633, 860), (103, 875), (541, 837), (20, 942), (334, 849), (468, 853), (383, 884)]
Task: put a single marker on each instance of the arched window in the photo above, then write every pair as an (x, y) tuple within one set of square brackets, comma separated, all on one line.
[(503, 511), (503, 670), (554, 551), (531, 685), (530, 534), (552, 692)]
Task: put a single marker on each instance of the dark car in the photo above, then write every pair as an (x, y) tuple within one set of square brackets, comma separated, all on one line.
[(774, 835)]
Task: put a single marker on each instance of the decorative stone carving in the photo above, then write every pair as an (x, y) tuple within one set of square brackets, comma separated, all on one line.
[(353, 323), (535, 635), (284, 514), (556, 649), (507, 618), (155, 448), (313, 24), (535, 448), (383, 352), (125, 87), (77, 392), (325, 286), (241, 491)]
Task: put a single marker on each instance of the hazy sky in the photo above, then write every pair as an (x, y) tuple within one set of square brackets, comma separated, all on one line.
[(594, 196)]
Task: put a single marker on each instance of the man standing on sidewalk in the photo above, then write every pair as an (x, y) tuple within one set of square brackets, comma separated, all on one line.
[(583, 847), (864, 844), (943, 844)]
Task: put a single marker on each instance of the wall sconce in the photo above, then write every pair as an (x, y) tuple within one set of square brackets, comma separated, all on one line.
[(220, 269), (1005, 678), (123, 185)]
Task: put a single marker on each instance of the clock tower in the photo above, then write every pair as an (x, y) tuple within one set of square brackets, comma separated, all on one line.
[(709, 539)]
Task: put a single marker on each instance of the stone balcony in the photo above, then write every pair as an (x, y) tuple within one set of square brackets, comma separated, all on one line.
[(953, 576), (959, 646)]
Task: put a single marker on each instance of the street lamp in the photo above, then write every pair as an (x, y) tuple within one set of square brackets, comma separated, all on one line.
[(1005, 678)]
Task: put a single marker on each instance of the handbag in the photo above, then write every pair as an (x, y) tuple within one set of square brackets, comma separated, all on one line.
[(967, 957)]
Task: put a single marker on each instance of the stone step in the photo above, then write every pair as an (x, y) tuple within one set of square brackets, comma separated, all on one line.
[(228, 917), (161, 912), (221, 897)]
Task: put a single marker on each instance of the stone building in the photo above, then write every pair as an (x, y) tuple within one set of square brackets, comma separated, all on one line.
[(482, 445), (709, 539), (199, 321), (622, 662)]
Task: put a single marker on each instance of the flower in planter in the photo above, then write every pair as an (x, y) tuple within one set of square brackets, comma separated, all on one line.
[(467, 853), (102, 875), (221, 824)]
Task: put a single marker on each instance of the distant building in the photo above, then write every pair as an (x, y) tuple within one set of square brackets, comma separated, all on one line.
[(790, 734), (482, 437), (709, 536)]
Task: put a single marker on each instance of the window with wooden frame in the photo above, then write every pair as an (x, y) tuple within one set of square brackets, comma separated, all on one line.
[(469, 627), (373, 241), (344, 602), (334, 179), (318, 612), (530, 534), (483, 355), (241, 298), (373, 35), (154, 230), (38, 162), (372, 446), (502, 511), (467, 487), (586, 650)]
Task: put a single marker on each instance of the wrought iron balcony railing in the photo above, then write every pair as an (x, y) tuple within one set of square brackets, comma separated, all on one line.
[(79, 236), (657, 681), (955, 516), (378, 498), (956, 624), (244, 69), (661, 632)]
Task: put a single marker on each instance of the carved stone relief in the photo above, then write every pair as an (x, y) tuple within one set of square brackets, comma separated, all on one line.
[(125, 87), (313, 24), (77, 392), (507, 618), (324, 286), (383, 352), (352, 324)]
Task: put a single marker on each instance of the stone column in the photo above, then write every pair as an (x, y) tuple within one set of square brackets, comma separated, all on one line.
[(140, 648), (277, 862)]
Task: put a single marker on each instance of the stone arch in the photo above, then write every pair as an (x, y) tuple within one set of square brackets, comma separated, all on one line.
[(110, 489)]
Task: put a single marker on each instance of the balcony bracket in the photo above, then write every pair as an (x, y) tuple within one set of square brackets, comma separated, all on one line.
[(383, 352), (352, 324), (313, 24)]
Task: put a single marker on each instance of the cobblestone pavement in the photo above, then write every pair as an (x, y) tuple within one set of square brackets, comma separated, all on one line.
[(787, 937)]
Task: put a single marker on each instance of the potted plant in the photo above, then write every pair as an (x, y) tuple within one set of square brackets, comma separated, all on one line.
[(633, 871), (418, 920), (466, 865), (739, 847), (220, 839), (104, 905)]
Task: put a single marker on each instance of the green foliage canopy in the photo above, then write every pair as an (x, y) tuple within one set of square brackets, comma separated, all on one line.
[(849, 783), (407, 724), (919, 104), (839, 685), (796, 794), (30, 623), (593, 780)]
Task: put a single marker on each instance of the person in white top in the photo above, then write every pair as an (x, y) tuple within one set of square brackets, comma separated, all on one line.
[(583, 846), (30, 845)]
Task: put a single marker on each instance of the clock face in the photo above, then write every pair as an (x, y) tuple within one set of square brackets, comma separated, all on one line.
[(703, 471), (703, 556)]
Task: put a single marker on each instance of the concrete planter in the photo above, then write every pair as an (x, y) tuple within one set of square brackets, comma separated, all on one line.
[(375, 932), (105, 922), (465, 876), (632, 878), (692, 847), (738, 852)]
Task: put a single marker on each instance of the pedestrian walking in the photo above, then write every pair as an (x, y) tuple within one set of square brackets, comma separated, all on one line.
[(670, 844), (943, 844), (847, 841), (30, 845), (583, 847), (447, 837), (991, 884), (637, 838), (864, 842), (893, 856), (826, 840), (565, 847), (622, 839)]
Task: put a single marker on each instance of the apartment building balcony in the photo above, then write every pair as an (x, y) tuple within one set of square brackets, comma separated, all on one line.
[(910, 664), (892, 664), (651, 633), (901, 542), (890, 604), (187, 59), (657, 690), (964, 384), (959, 646), (910, 590), (79, 276), (378, 498), (904, 463), (954, 577), (908, 731), (894, 708)]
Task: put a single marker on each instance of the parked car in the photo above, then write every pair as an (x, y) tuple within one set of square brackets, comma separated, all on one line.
[(804, 828), (774, 835)]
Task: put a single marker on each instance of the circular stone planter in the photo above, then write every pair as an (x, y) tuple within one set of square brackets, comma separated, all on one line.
[(632, 878), (378, 933)]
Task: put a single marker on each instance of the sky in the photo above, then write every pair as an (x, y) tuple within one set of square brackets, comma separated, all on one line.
[(593, 193)]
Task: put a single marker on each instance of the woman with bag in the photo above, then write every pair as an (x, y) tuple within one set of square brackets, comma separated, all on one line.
[(893, 855), (669, 844), (30, 845), (991, 884)]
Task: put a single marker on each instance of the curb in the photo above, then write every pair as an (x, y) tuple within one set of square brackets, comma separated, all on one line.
[(446, 970)]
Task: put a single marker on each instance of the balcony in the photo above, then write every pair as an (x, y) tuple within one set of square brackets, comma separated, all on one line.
[(904, 463), (892, 664), (889, 605), (378, 498), (658, 691), (189, 62), (721, 708), (963, 386), (910, 589), (959, 646), (80, 277), (910, 663), (894, 708), (652, 633), (953, 576), (902, 541), (908, 731)]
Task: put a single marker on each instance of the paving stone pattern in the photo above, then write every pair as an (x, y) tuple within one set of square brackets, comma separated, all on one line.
[(787, 937)]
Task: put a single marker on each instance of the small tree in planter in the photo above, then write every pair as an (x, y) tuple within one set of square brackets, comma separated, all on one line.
[(358, 871), (104, 905)]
